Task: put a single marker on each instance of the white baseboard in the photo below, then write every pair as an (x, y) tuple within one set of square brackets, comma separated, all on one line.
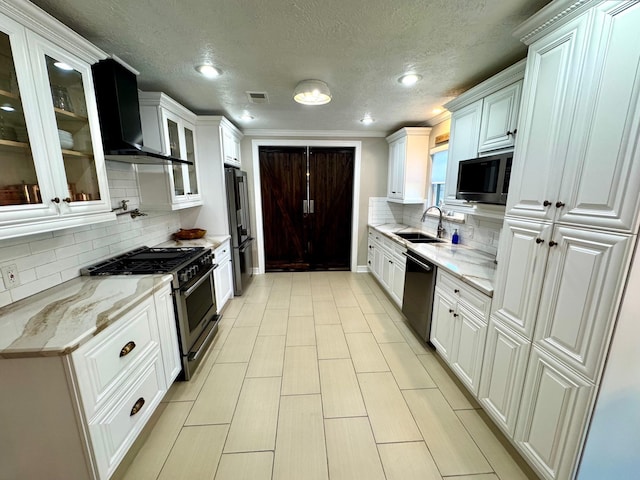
[(362, 269)]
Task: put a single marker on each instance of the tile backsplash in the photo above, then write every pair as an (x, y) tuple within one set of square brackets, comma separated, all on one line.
[(47, 259), (481, 233)]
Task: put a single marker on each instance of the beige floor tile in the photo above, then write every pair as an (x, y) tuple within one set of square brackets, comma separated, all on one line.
[(484, 476), (405, 366), (454, 392), (383, 328), (217, 399), (408, 461), (245, 466), (301, 331), (325, 312), (503, 463), (155, 450), (224, 328), (274, 322), (359, 284), (195, 454), (366, 353), (391, 309), (250, 315), (344, 297), (257, 294), (188, 391), (351, 450), (238, 345), (453, 449), (320, 278), (300, 444), (353, 320), (279, 297), (267, 357), (300, 374), (331, 342), (301, 306), (254, 422), (369, 303), (301, 287), (233, 307), (390, 418), (321, 292), (341, 395), (418, 346)]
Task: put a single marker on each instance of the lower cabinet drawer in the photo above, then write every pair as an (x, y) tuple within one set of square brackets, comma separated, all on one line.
[(117, 425), (102, 364)]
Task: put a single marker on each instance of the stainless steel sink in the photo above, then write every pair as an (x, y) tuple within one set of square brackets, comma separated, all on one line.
[(417, 237)]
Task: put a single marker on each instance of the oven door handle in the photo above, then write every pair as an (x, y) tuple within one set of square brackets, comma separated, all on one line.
[(415, 260), (199, 282)]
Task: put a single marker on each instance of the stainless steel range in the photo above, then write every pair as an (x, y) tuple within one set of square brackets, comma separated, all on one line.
[(194, 296)]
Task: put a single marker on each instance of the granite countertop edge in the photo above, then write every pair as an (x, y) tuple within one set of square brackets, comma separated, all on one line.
[(472, 266)]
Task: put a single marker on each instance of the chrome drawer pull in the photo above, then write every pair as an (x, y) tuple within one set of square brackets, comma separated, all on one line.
[(137, 406), (126, 350)]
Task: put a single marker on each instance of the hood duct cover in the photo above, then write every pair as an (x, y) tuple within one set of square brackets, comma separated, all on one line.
[(119, 111)]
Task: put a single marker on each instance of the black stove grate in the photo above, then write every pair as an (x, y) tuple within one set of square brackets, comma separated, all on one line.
[(144, 260)]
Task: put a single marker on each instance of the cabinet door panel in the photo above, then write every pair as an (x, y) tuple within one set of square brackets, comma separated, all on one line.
[(499, 117), (442, 324), (503, 370), (167, 328), (463, 145), (552, 416), (548, 106), (520, 273), (397, 283), (469, 335), (585, 274), (601, 183)]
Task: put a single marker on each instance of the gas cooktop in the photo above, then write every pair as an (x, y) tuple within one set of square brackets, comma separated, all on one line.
[(145, 260)]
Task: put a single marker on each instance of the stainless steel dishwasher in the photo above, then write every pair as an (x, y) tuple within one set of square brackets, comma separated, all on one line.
[(419, 285)]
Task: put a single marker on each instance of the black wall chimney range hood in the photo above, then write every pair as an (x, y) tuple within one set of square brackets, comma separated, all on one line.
[(119, 112)]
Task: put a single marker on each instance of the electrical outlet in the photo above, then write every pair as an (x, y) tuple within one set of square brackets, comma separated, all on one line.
[(10, 276)]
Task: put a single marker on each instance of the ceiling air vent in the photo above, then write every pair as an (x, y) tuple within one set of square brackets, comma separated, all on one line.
[(258, 97)]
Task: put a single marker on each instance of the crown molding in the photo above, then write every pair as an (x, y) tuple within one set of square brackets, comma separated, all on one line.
[(313, 133), (441, 117), (554, 14)]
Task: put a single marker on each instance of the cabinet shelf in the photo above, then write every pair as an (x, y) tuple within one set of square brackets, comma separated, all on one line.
[(74, 153), (13, 144), (5, 95)]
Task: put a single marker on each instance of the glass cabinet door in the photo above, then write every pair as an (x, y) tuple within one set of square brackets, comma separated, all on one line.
[(19, 183), (74, 132), (175, 151), (191, 156)]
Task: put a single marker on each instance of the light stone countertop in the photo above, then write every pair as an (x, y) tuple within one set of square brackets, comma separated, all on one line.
[(209, 241), (58, 320), (474, 267)]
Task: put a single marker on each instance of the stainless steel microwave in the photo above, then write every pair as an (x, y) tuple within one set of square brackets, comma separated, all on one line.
[(485, 179)]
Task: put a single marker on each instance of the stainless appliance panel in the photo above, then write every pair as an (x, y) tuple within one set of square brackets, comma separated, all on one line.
[(419, 286), (239, 228)]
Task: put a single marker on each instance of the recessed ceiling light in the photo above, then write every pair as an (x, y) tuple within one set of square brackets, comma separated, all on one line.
[(436, 111), (246, 117), (410, 79), (209, 71), (63, 66), (7, 107), (367, 120)]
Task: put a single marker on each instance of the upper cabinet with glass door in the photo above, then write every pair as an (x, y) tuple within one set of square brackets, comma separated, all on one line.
[(53, 171), (169, 128)]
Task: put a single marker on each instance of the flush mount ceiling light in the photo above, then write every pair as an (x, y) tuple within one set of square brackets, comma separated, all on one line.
[(208, 70), (312, 92), (367, 119), (409, 79), (7, 107), (63, 66)]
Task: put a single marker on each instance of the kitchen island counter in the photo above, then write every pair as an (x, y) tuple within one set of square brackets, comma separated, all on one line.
[(58, 320)]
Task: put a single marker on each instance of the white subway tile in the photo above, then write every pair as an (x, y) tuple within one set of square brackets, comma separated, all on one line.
[(93, 256), (74, 249), (32, 288), (14, 251), (5, 298), (56, 267), (51, 243)]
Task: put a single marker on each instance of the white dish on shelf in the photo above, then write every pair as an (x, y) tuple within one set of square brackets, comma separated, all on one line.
[(66, 139)]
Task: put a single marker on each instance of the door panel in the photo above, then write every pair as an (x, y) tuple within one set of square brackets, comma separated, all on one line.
[(283, 185)]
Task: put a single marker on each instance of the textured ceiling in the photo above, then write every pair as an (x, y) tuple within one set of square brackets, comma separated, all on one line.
[(359, 47)]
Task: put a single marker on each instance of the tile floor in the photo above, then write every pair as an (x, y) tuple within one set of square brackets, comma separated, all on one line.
[(317, 376)]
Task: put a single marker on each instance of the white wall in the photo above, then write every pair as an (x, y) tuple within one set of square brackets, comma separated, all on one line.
[(47, 259)]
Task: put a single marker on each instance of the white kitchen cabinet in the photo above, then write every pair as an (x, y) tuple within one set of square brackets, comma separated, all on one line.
[(223, 274), (498, 126), (458, 327), (408, 165), (554, 409), (388, 264), (231, 137), (81, 412), (522, 258), (585, 275), (54, 174), (483, 121), (169, 128), (503, 370), (579, 117)]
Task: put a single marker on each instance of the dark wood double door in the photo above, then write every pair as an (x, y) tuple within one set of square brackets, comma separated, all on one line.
[(307, 205)]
